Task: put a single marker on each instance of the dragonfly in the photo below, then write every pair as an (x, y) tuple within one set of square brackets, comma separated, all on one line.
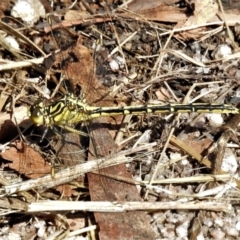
[(71, 109)]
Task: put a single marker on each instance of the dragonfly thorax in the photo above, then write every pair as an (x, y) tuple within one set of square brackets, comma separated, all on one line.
[(68, 109)]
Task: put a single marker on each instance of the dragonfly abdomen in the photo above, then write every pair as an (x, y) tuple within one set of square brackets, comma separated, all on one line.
[(167, 108)]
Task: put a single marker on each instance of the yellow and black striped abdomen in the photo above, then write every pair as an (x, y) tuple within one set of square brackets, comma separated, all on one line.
[(168, 108)]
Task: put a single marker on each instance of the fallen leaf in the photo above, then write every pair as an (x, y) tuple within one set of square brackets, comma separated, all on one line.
[(26, 160), (203, 10)]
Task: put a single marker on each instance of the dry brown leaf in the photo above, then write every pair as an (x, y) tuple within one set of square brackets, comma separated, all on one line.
[(65, 190), (203, 11), (5, 4), (232, 16), (74, 15), (159, 11), (26, 161), (162, 94), (139, 5), (76, 223), (198, 145)]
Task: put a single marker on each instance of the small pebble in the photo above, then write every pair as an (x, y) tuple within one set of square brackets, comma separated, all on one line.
[(217, 234), (232, 232), (182, 230)]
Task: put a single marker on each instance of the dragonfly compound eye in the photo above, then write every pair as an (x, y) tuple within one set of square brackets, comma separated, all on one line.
[(36, 115)]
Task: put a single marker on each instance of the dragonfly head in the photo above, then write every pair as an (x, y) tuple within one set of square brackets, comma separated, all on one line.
[(36, 114)]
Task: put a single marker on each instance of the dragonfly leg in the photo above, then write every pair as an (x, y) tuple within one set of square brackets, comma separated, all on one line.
[(44, 134), (74, 130)]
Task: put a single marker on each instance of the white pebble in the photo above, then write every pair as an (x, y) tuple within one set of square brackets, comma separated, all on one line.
[(237, 75), (41, 231), (12, 42), (237, 92), (200, 236), (175, 155), (114, 65), (238, 226), (13, 236), (202, 70), (217, 234), (229, 163), (40, 225), (28, 10), (182, 230), (232, 232), (197, 56), (218, 222), (208, 222), (121, 61), (147, 177), (222, 51), (215, 120)]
